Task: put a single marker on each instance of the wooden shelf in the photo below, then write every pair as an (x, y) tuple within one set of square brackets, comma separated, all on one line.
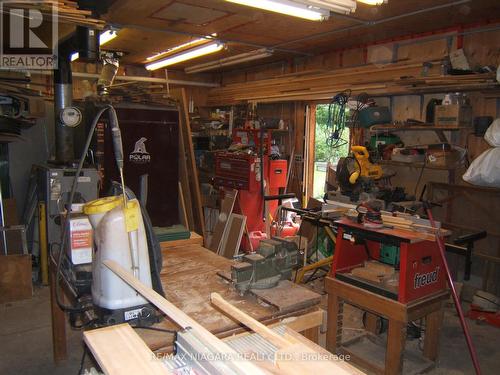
[(439, 130), (415, 165), (396, 128)]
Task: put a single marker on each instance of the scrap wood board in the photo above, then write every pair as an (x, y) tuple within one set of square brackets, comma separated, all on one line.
[(285, 296), (120, 350), (15, 278), (227, 207), (230, 244)]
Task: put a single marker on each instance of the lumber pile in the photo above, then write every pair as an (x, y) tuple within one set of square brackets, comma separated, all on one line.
[(67, 12), (394, 79)]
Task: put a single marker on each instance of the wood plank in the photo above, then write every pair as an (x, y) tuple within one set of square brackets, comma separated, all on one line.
[(312, 320), (180, 317), (58, 318), (180, 96), (227, 207), (247, 320), (119, 350), (182, 208), (15, 278), (287, 296), (194, 239), (230, 244), (184, 179)]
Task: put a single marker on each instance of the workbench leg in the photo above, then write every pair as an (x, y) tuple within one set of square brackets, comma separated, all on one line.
[(59, 347), (396, 338), (334, 323), (433, 323), (312, 334)]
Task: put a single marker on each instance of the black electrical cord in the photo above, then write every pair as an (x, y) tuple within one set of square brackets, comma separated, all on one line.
[(337, 118), (68, 208), (82, 361)]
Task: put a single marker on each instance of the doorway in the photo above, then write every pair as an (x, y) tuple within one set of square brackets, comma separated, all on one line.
[(331, 143)]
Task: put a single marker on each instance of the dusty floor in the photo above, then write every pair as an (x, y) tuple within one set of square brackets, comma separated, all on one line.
[(26, 342)]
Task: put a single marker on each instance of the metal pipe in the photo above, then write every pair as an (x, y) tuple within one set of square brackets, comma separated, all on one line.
[(371, 23), (137, 79), (63, 97)]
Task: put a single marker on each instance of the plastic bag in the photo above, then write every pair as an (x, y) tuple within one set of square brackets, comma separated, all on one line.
[(492, 135), (485, 169)]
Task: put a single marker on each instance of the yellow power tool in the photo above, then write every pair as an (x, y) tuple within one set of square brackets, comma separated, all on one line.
[(364, 167)]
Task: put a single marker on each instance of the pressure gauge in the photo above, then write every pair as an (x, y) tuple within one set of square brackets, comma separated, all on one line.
[(70, 116)]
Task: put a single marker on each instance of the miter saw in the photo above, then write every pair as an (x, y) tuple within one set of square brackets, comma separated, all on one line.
[(359, 180), (356, 173)]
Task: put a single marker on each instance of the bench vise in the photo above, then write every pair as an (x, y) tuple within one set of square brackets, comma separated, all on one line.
[(273, 261)]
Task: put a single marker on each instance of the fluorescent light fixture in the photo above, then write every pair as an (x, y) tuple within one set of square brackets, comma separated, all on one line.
[(106, 36), (193, 42), (373, 2), (287, 7), (232, 60), (337, 6), (186, 55)]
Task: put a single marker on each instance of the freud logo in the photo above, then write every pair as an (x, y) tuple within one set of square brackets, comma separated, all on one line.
[(140, 155), (426, 278), (28, 34)]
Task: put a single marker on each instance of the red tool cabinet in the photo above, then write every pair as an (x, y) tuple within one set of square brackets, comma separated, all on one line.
[(241, 171)]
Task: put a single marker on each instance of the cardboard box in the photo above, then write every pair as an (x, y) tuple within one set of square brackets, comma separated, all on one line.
[(453, 115), (15, 278)]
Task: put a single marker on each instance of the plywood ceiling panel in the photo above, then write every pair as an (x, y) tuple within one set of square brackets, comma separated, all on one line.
[(191, 14), (252, 26)]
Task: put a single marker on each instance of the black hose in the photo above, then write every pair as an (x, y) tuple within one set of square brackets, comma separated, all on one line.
[(68, 208)]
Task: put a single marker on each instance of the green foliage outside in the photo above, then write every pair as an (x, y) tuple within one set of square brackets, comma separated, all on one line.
[(323, 151)]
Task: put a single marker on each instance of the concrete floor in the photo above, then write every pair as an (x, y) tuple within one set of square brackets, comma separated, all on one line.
[(26, 342)]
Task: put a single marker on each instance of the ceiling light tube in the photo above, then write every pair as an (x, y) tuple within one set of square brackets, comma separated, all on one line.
[(191, 43), (232, 60), (106, 36), (186, 55), (338, 6), (372, 2), (287, 7)]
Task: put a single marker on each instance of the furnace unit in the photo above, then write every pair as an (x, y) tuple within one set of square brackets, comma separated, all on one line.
[(150, 136)]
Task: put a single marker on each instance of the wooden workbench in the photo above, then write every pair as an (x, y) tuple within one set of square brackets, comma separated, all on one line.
[(188, 276)]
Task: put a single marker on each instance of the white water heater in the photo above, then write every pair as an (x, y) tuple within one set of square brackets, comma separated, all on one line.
[(119, 236)]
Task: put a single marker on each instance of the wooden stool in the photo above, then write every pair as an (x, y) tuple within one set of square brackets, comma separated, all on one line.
[(398, 315)]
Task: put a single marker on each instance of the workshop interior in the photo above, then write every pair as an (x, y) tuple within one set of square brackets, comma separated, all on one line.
[(249, 187)]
